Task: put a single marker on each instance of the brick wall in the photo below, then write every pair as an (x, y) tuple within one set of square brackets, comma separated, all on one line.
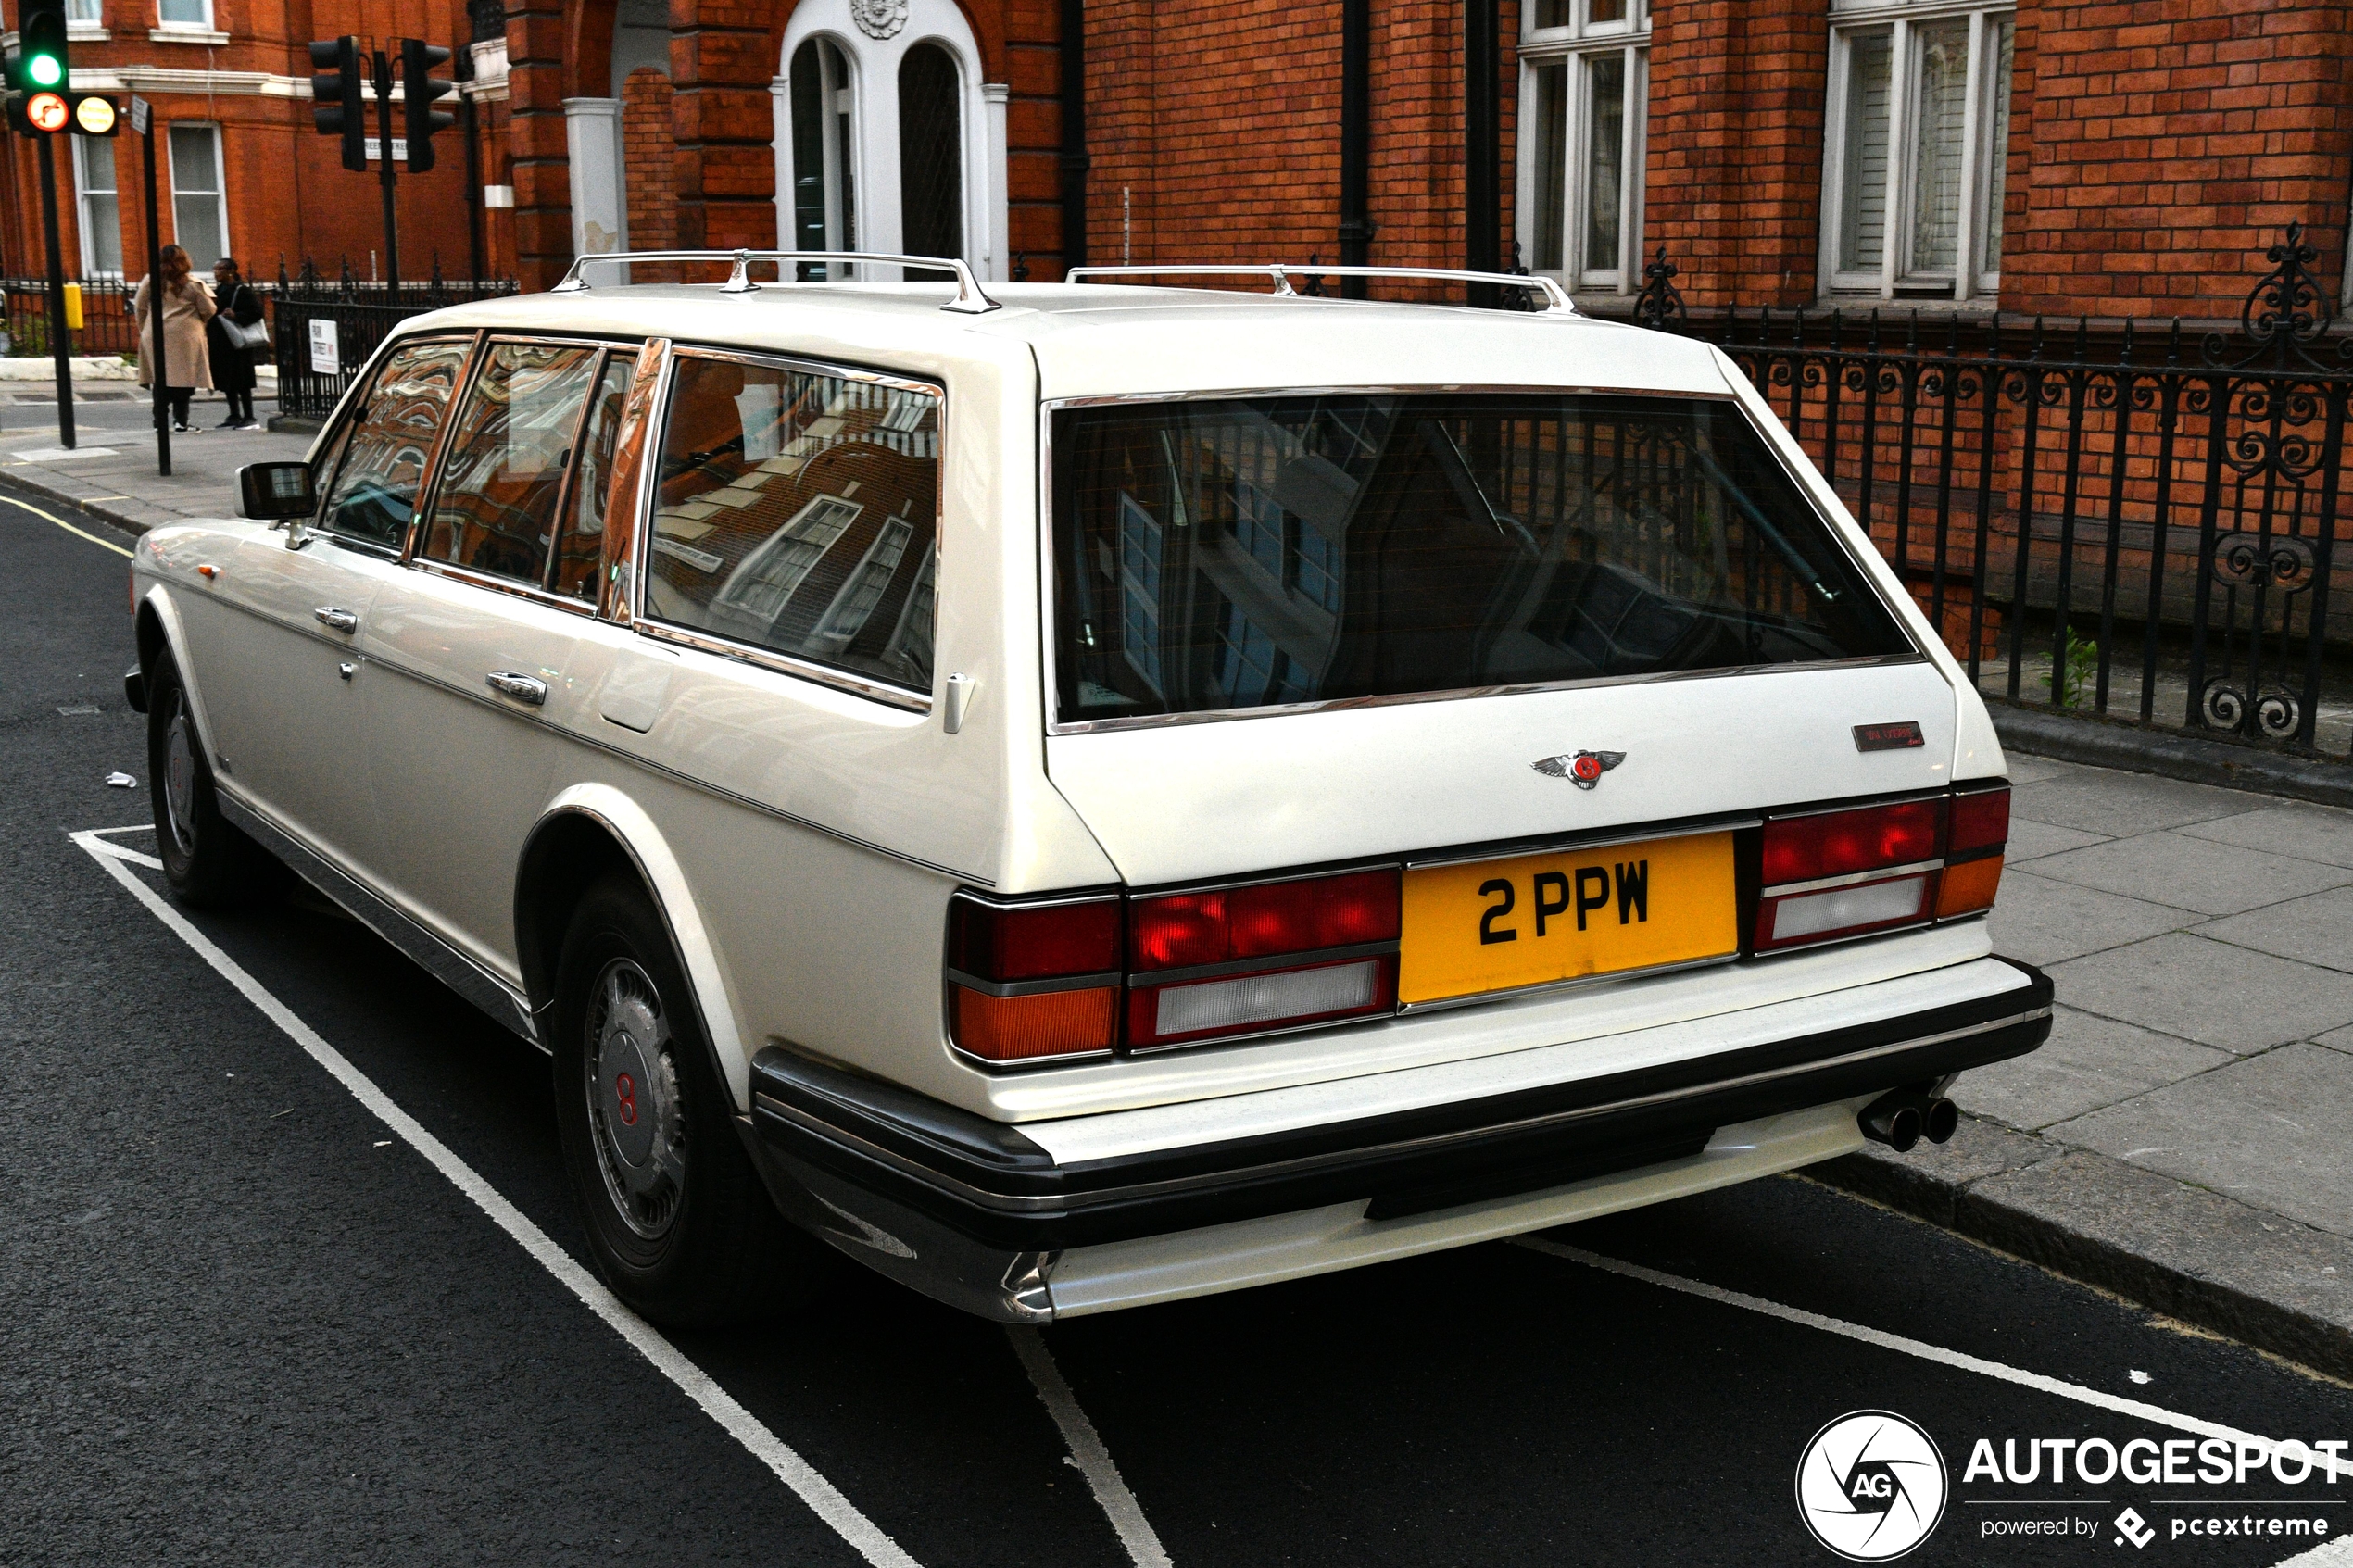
[(2159, 148), (649, 161), (1733, 177)]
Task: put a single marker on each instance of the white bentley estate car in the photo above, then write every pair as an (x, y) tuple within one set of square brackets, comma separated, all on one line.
[(1090, 794)]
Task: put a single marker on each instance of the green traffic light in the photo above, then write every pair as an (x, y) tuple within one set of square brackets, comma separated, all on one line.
[(45, 70)]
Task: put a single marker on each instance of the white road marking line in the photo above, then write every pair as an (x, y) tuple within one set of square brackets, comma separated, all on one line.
[(2154, 1414), (116, 851), (102, 544), (2337, 1553), (108, 833), (1087, 1450), (826, 1502)]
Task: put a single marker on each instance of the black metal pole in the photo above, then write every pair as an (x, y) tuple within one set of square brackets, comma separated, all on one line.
[(60, 348), (1482, 196), (155, 302), (470, 113), (386, 175), (1355, 140), (1075, 162)]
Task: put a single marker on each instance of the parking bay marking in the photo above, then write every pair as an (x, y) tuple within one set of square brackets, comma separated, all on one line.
[(2154, 1414), (820, 1494), (1087, 1450)]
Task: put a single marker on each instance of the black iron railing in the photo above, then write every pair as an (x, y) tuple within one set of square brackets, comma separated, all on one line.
[(323, 332), (2143, 525)]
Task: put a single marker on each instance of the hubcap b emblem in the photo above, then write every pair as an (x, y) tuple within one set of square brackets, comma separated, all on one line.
[(624, 1093)]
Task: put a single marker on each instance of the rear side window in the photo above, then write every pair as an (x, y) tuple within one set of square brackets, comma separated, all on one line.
[(494, 511), (798, 514), (387, 447), (1241, 553)]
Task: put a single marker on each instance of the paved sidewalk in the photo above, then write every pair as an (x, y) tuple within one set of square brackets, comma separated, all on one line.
[(2182, 1139), (112, 469)]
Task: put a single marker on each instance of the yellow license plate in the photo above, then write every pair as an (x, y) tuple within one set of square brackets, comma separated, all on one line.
[(1497, 925)]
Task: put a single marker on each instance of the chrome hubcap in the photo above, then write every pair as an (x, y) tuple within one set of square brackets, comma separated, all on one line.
[(634, 1113), (180, 780)]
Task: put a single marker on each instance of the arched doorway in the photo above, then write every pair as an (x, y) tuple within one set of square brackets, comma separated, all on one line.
[(887, 138), (626, 129)]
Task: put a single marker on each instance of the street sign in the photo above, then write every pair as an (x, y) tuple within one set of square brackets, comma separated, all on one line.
[(45, 111), (376, 148), (325, 349), (138, 114), (95, 115)]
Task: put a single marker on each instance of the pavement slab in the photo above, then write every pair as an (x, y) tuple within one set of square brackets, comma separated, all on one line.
[(2118, 805), (2306, 833), (2268, 1130), (2047, 921), (2192, 874), (2315, 930), (2031, 840), (2211, 992), (2089, 1062)]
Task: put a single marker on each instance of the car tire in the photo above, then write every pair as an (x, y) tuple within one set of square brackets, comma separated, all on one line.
[(207, 862), (678, 1221)]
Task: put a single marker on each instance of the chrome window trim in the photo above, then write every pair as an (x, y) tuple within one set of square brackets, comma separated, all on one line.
[(337, 427), (1055, 725), (1569, 982), (1606, 841), (1105, 981), (618, 600), (530, 592), (639, 615)]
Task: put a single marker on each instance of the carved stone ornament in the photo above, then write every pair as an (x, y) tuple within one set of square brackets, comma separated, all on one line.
[(879, 19)]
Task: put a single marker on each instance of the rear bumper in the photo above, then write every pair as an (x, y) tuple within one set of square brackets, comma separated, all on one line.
[(975, 1212)]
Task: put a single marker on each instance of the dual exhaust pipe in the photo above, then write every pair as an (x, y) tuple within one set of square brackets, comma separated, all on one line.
[(1902, 1117)]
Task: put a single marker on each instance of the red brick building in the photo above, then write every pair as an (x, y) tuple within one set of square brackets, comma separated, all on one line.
[(2058, 155)]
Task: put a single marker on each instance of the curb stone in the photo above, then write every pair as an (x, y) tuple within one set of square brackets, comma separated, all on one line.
[(2107, 743), (2210, 1261)]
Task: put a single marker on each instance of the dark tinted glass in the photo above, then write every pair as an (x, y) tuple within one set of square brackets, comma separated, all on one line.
[(374, 493), (1240, 553)]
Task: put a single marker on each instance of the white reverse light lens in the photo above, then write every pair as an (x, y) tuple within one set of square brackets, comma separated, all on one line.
[(1842, 907), (1260, 999)]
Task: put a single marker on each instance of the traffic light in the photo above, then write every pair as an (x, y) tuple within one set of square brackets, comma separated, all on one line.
[(41, 47), (38, 114), (336, 108), (419, 88)]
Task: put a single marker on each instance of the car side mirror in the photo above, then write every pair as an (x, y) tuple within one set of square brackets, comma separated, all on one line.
[(277, 491)]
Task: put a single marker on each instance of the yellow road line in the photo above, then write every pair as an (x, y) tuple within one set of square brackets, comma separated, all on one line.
[(79, 534)]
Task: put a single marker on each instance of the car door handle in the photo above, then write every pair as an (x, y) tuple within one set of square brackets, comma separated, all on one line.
[(523, 688), (336, 619)]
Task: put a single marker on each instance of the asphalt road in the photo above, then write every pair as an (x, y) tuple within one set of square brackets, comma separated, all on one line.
[(246, 1320)]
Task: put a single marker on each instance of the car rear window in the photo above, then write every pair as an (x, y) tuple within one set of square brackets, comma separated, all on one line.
[(1240, 553)]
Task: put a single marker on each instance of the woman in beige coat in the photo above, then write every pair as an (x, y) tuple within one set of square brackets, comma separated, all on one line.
[(187, 306)]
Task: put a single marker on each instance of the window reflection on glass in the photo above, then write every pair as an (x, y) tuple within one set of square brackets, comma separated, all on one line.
[(797, 513), (1938, 137), (1863, 221), (824, 205), (1238, 553), (1997, 154), (1605, 155), (581, 550), (1606, 10), (496, 510), (374, 492)]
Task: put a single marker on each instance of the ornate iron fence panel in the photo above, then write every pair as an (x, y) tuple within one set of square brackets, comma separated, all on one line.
[(2124, 524)]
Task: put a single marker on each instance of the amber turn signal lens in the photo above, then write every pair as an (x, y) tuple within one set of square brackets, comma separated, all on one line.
[(1029, 1028), (1968, 887)]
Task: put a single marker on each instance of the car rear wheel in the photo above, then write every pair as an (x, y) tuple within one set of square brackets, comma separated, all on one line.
[(677, 1220), (206, 860)]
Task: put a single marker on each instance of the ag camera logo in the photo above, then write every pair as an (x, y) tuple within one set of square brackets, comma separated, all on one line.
[(1872, 1485)]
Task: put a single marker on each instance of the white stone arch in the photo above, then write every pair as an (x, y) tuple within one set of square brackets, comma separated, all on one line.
[(874, 65)]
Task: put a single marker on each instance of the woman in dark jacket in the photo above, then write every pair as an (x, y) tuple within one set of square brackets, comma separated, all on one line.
[(232, 363)]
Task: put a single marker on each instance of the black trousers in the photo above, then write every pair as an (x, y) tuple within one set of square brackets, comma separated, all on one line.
[(240, 403), (177, 398)]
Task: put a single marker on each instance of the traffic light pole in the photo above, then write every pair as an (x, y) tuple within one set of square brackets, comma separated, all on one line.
[(383, 64), (60, 347), (155, 290)]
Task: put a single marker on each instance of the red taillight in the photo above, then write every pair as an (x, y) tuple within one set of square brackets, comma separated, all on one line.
[(1183, 930), (1844, 843), (1033, 981), (1981, 823)]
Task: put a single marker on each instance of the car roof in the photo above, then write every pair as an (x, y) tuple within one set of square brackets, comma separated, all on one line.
[(1109, 340)]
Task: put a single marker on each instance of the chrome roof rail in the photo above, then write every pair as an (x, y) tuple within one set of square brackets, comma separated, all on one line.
[(969, 301), (1556, 297)]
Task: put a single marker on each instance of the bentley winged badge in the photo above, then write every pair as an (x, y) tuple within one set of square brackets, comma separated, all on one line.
[(1583, 769)]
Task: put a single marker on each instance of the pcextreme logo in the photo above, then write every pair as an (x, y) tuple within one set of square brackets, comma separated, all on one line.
[(1872, 1485)]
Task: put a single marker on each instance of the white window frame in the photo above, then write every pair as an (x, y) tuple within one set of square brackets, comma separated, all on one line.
[(1981, 163), (219, 175), (1577, 46), (84, 228), (204, 26)]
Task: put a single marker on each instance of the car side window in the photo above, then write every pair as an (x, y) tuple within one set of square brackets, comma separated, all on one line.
[(494, 511), (580, 550), (386, 447), (798, 514)]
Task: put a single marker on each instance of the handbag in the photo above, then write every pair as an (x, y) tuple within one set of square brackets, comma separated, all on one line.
[(250, 335)]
